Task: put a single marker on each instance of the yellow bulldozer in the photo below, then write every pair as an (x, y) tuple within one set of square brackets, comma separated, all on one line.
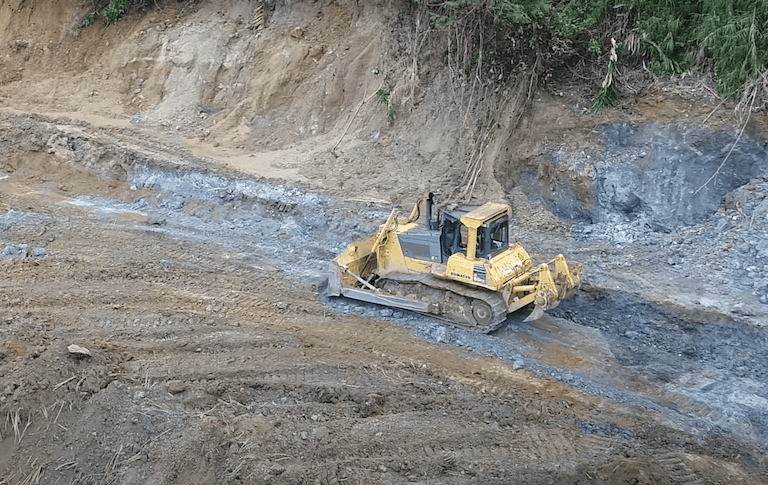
[(458, 265)]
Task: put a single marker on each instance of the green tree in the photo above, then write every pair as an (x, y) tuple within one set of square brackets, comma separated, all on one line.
[(733, 33), (736, 35)]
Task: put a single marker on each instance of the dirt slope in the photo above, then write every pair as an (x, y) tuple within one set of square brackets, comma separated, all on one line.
[(233, 88), (173, 185), (208, 366)]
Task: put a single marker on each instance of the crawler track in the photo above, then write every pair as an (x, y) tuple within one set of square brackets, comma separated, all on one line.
[(471, 308)]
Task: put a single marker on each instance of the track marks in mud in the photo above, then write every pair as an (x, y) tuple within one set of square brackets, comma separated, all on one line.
[(545, 445), (675, 465), (597, 448), (379, 411)]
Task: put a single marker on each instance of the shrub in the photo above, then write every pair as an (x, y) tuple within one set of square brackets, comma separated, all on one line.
[(733, 33), (384, 98), (577, 15), (609, 93), (86, 21), (521, 11), (115, 9)]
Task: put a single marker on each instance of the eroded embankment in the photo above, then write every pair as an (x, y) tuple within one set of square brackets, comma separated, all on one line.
[(648, 176), (702, 374)]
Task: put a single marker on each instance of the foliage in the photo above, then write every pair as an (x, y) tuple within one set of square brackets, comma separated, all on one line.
[(521, 11), (385, 98), (665, 34), (442, 21), (86, 21), (594, 48), (666, 29), (115, 9), (736, 36), (609, 93), (574, 16)]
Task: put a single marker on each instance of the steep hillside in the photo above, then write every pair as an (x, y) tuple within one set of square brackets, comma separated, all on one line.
[(239, 79)]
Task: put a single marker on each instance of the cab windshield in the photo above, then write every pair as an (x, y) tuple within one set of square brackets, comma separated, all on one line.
[(492, 237)]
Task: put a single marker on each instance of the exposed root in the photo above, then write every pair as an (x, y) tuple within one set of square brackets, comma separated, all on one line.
[(34, 476), (754, 91), (15, 419)]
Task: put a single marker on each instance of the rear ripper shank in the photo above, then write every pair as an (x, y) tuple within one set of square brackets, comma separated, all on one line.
[(459, 266)]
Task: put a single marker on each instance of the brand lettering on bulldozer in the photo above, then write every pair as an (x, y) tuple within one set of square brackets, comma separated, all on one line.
[(460, 275)]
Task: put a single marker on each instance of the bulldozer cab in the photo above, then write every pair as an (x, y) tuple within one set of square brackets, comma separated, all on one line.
[(481, 233)]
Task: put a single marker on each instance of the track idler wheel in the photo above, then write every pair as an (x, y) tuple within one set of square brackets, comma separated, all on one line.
[(482, 312)]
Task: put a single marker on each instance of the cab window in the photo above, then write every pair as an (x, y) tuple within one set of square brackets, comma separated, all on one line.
[(481, 249), (499, 234)]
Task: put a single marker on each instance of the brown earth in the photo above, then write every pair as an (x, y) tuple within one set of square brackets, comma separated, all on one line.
[(205, 368)]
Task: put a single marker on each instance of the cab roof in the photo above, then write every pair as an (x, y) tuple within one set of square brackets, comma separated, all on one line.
[(489, 210)]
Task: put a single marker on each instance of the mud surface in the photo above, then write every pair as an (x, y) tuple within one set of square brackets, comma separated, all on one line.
[(175, 186), (199, 296)]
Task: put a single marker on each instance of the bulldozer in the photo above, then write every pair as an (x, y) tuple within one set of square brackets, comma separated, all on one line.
[(457, 265)]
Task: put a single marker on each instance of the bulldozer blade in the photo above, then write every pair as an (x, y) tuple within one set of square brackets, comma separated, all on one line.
[(386, 300), (537, 313)]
